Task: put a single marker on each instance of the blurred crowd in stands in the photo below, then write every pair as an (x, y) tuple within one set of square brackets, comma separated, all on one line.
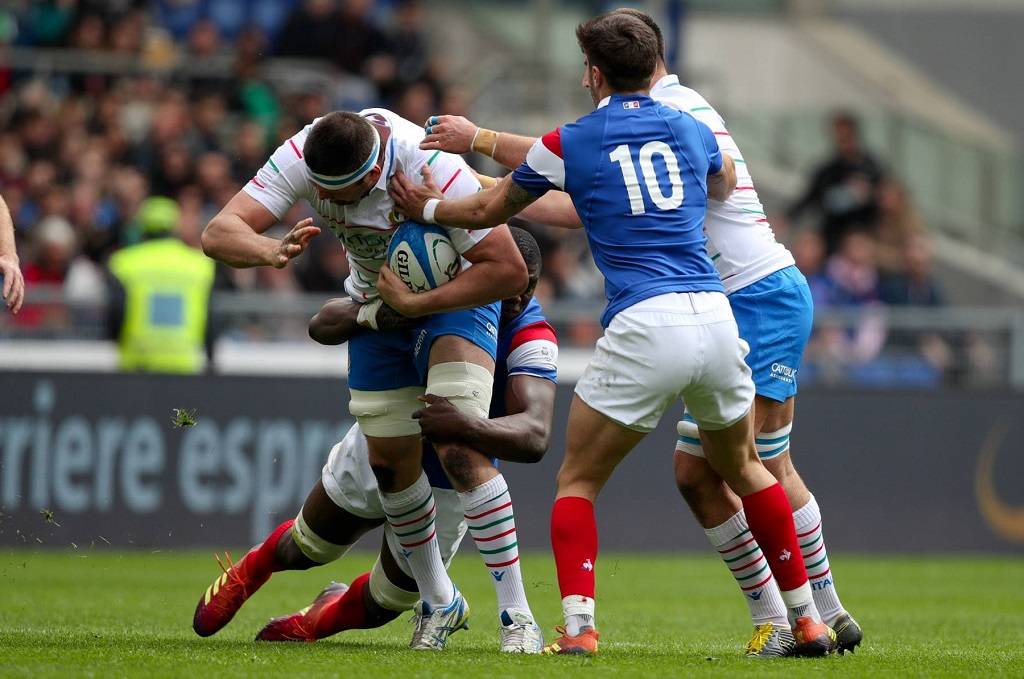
[(80, 149)]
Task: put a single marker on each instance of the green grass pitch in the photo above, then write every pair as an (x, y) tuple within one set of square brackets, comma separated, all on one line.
[(107, 614)]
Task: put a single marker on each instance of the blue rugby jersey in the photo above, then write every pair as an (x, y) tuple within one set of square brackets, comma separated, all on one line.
[(527, 345), (637, 173)]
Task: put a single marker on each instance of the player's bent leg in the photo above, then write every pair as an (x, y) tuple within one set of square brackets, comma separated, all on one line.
[(487, 504), (321, 533), (721, 405), (490, 517), (707, 495), (721, 515), (773, 448), (732, 454), (595, 444), (372, 600), (406, 496)]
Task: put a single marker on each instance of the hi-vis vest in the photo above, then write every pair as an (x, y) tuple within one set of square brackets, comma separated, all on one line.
[(167, 289)]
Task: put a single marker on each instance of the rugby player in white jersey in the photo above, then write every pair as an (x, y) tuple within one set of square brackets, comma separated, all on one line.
[(344, 503), (773, 310), (340, 164)]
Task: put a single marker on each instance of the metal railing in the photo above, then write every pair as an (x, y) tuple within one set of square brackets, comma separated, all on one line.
[(875, 345)]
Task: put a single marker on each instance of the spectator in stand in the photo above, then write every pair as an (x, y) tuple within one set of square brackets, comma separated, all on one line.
[(851, 273), (53, 249), (849, 280), (808, 248), (88, 149), (409, 44), (915, 285), (898, 224), (844, 189), (360, 46), (250, 151), (310, 31)]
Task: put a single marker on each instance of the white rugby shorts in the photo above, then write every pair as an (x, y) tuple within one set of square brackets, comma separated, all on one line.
[(351, 485), (677, 346)]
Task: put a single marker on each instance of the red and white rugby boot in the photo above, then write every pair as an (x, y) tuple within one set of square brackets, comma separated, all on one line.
[(302, 626), (238, 581)]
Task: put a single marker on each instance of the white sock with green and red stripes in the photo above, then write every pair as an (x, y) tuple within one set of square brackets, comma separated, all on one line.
[(742, 555), (492, 523), (411, 515), (807, 520)]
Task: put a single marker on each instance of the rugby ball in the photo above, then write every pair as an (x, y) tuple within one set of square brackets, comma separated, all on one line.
[(423, 256)]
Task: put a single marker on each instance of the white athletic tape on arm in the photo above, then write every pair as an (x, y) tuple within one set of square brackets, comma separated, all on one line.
[(367, 316), (429, 208)]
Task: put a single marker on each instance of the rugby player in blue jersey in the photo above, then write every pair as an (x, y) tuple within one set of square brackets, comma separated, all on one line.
[(639, 175)]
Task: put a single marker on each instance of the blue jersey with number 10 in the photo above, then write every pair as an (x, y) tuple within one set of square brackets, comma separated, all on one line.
[(637, 174)]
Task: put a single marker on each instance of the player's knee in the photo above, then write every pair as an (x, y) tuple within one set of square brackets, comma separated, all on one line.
[(387, 594), (694, 476), (385, 476), (466, 385), (315, 549), (464, 466), (781, 467), (388, 413), (577, 481), (691, 467)]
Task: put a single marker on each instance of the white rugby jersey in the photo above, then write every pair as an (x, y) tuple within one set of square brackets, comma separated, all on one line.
[(365, 228), (740, 239)]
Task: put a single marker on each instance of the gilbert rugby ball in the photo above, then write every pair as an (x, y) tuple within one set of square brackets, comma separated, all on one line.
[(423, 256)]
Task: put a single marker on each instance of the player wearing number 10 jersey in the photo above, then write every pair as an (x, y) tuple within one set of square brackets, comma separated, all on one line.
[(639, 175)]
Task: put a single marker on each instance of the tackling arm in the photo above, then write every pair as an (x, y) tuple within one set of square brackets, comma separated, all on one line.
[(521, 436), (338, 320), (498, 272), (722, 183), (483, 209), (456, 134)]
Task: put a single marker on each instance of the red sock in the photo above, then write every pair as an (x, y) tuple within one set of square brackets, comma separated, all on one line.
[(263, 560), (348, 612), (574, 542), (770, 518)]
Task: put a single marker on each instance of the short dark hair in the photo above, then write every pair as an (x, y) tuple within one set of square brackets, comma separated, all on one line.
[(622, 47), (847, 118), (339, 143), (528, 248), (649, 22)]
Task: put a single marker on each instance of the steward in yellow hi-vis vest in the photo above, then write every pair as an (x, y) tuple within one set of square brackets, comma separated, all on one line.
[(160, 296)]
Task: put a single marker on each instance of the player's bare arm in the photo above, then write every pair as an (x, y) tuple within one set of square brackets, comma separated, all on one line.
[(722, 183), (521, 436), (498, 272), (338, 321), (486, 208), (554, 208), (235, 235), (456, 134), (10, 267)]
